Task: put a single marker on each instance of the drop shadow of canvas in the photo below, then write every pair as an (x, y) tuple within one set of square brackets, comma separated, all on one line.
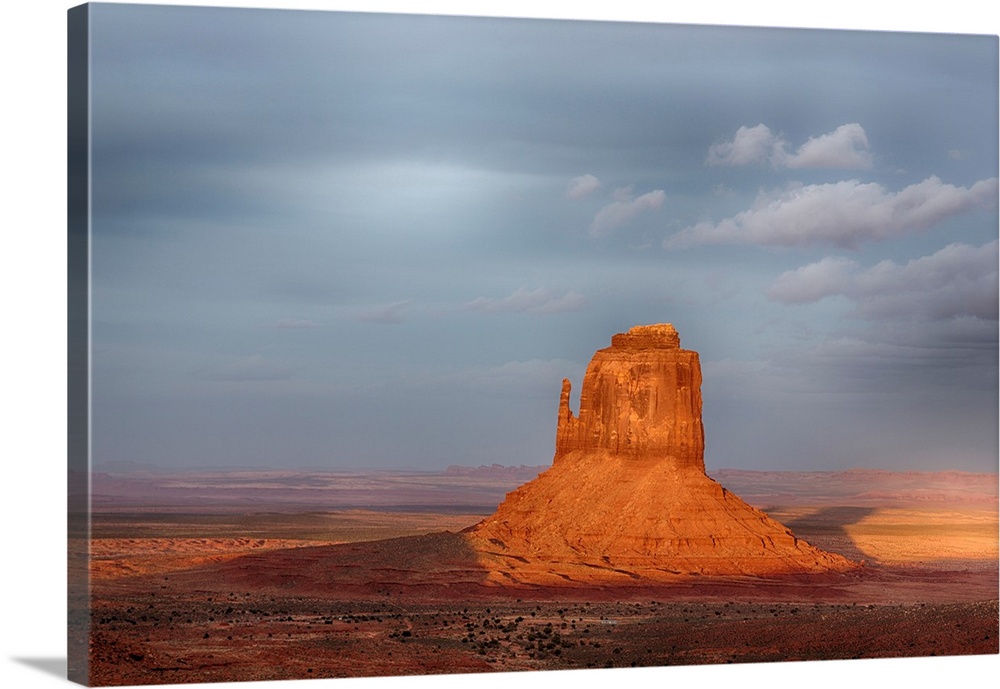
[(55, 666)]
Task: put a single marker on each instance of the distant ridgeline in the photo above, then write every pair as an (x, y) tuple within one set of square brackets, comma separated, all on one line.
[(521, 472)]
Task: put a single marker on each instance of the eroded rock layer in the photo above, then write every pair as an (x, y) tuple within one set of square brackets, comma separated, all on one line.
[(627, 494), (641, 399)]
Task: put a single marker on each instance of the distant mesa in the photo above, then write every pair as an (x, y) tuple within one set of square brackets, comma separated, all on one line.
[(499, 472), (627, 496)]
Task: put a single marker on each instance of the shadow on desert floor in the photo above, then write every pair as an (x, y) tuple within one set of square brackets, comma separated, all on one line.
[(435, 563), (827, 528)]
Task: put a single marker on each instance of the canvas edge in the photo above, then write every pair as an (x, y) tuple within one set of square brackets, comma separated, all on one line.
[(78, 343)]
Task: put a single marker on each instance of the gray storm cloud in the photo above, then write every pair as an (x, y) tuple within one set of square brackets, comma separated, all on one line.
[(958, 280)]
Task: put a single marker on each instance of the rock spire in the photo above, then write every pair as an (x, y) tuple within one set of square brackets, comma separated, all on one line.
[(641, 399)]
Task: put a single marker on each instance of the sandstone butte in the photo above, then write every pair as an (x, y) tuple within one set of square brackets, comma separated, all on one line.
[(627, 498)]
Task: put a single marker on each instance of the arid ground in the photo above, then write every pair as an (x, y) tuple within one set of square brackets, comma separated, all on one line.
[(271, 575)]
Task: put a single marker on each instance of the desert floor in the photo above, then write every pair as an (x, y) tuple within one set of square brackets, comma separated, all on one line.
[(182, 594)]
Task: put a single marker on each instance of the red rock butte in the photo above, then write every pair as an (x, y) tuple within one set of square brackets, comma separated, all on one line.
[(627, 498)]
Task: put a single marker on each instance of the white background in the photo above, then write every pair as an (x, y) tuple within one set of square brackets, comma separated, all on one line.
[(32, 333)]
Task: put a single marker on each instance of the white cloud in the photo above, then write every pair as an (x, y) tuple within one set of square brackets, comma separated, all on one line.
[(845, 148), (537, 301), (623, 209), (582, 186), (750, 145), (843, 214), (959, 280)]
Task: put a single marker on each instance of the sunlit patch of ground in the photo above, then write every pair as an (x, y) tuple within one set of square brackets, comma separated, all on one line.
[(944, 538), (116, 557)]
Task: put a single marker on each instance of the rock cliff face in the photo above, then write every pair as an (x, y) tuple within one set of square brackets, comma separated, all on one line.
[(627, 497), (641, 399)]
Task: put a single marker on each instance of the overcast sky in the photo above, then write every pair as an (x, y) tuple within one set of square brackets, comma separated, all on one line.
[(358, 240)]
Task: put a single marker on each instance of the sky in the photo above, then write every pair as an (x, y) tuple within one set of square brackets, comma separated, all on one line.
[(336, 240)]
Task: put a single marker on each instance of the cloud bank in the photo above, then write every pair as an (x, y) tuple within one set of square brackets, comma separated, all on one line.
[(843, 214), (959, 280)]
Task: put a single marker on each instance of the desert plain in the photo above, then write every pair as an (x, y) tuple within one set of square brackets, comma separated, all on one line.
[(258, 575)]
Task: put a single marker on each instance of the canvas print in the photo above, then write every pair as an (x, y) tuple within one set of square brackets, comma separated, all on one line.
[(409, 345)]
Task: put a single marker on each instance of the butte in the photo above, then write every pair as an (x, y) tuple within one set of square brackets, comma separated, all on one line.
[(627, 498)]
